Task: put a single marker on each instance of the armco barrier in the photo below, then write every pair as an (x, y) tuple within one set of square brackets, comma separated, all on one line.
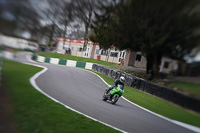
[(151, 88), (131, 81)]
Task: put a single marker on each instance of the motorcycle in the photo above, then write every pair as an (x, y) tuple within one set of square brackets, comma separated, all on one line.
[(114, 94)]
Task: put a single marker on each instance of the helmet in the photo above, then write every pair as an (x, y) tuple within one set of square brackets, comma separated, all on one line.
[(122, 79)]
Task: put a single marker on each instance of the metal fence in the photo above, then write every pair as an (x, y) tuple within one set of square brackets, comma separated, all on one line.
[(151, 88)]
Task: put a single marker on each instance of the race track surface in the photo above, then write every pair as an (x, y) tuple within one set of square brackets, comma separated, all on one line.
[(83, 91)]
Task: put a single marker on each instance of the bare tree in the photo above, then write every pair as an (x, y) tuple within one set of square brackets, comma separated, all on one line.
[(84, 10), (22, 17), (51, 20), (65, 17)]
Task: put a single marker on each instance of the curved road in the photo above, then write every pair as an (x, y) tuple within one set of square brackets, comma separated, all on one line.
[(82, 91)]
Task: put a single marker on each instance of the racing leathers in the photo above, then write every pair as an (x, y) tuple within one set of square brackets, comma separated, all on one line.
[(115, 84)]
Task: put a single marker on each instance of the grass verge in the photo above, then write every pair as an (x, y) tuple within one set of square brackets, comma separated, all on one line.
[(158, 105), (192, 88), (34, 112)]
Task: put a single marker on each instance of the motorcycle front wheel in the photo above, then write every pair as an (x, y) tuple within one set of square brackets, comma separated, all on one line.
[(114, 99)]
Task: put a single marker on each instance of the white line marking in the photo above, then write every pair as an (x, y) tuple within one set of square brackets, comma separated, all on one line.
[(32, 81), (193, 128), (28, 57), (190, 127)]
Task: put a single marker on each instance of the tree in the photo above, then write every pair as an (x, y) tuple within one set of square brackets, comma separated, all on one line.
[(84, 10), (65, 17), (18, 17), (156, 28), (51, 19)]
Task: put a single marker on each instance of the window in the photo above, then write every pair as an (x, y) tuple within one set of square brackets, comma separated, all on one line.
[(86, 54), (103, 52), (97, 51), (72, 48), (138, 57), (119, 60), (123, 53), (87, 49), (66, 46), (166, 65), (113, 53), (79, 49)]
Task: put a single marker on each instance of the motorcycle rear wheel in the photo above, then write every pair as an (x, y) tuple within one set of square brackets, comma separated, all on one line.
[(105, 95)]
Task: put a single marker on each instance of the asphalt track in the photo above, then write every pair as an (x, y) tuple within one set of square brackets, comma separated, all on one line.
[(83, 91)]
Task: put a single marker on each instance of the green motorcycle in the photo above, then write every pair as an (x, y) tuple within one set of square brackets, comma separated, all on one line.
[(114, 94)]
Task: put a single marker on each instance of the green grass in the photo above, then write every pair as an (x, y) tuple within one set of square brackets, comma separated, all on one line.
[(70, 57), (35, 112), (158, 105), (189, 87)]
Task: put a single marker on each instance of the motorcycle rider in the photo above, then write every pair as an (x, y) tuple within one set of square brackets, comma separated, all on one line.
[(117, 82)]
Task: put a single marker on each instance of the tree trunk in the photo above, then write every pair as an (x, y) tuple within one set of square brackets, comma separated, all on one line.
[(156, 64), (51, 34), (149, 65), (152, 67), (86, 31), (64, 34)]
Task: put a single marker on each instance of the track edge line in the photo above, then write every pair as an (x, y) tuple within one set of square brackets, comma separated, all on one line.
[(33, 83)]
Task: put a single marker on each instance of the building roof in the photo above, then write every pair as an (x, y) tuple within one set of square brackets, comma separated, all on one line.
[(74, 40)]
